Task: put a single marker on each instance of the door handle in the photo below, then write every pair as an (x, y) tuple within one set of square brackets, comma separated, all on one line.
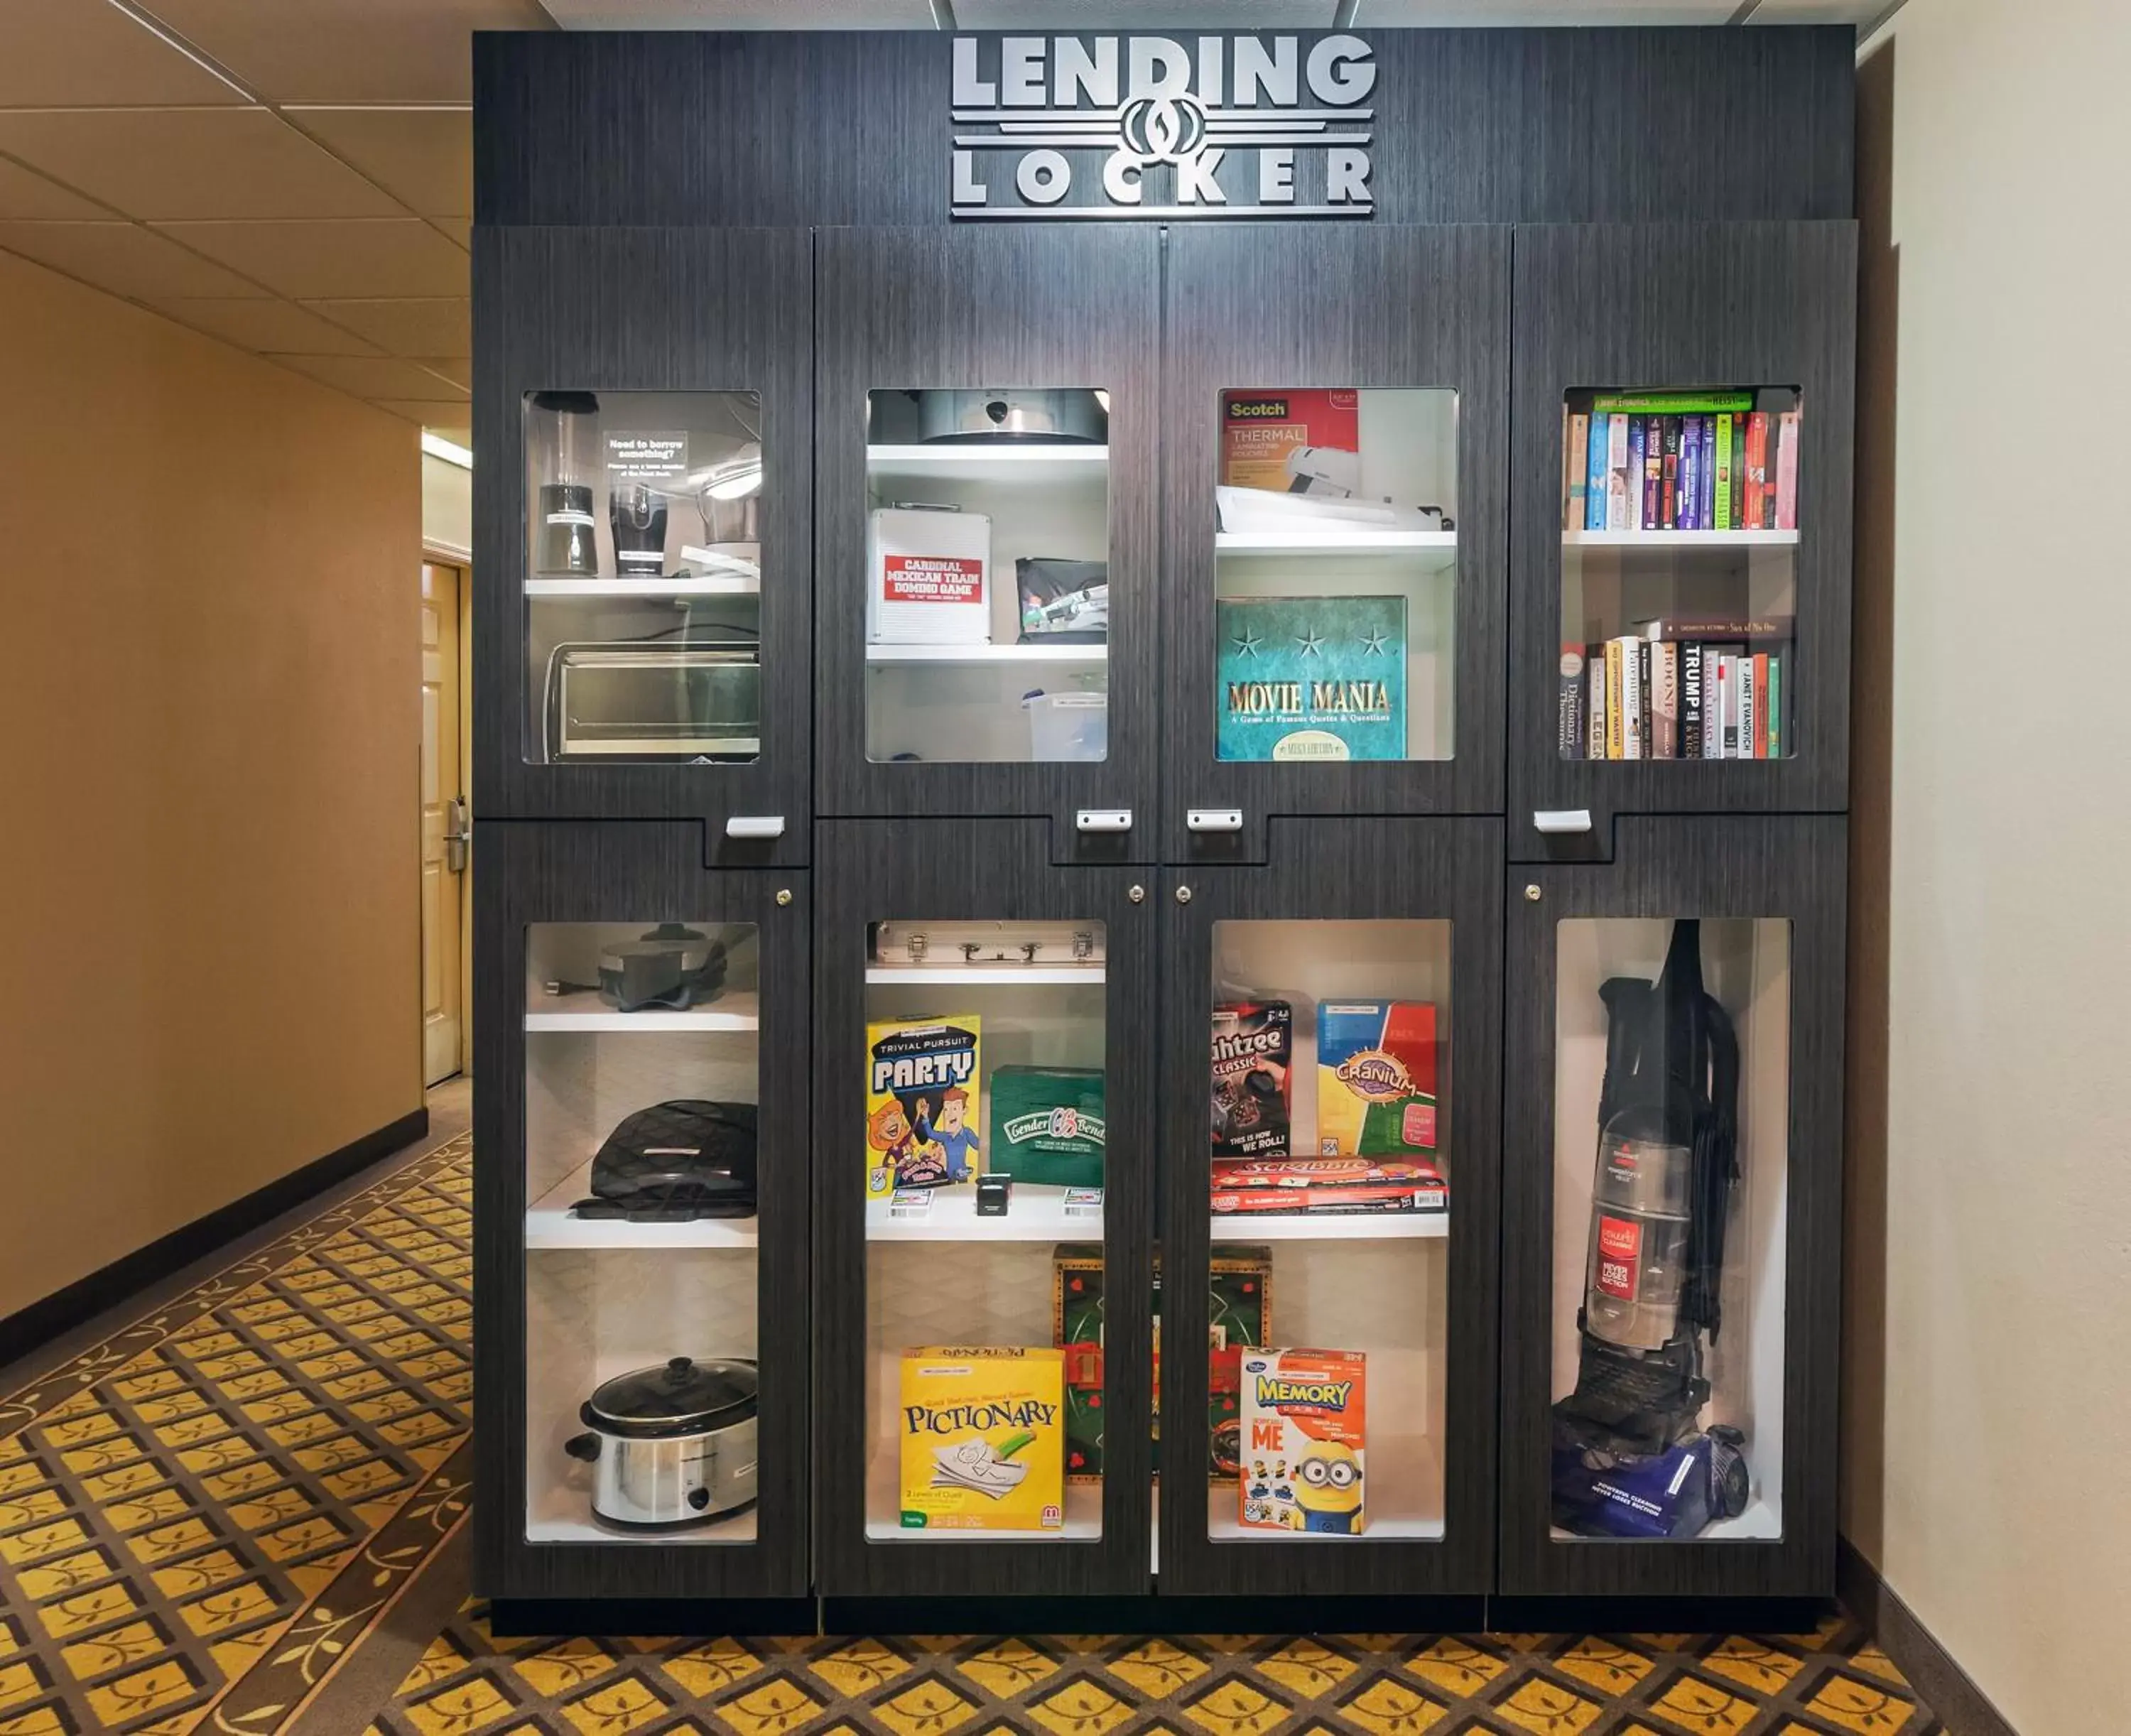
[(458, 836), (1213, 819), (755, 825), (1561, 820), (1102, 819)]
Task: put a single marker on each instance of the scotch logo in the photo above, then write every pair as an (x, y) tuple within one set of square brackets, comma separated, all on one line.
[(1373, 1073), (1326, 1395), (1221, 127), (1255, 409)]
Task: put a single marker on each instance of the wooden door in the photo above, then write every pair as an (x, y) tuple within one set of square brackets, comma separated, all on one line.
[(444, 840)]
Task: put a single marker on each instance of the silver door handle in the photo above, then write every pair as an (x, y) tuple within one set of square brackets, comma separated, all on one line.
[(1102, 819), (755, 825), (458, 838), (1561, 820), (1213, 819)]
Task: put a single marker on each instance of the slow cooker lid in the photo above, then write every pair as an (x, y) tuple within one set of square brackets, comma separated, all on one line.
[(680, 1396)]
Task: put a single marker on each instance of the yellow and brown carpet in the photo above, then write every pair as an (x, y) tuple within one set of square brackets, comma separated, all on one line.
[(244, 1514)]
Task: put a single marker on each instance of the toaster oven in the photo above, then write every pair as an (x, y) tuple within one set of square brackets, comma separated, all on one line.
[(624, 700)]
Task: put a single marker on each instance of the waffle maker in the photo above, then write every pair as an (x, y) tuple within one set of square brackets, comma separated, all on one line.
[(676, 1162)]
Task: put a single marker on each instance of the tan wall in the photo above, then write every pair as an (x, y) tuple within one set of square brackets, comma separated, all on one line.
[(1988, 1410), (210, 569)]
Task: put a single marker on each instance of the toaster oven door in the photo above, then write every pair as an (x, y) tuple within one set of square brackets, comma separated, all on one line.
[(621, 702)]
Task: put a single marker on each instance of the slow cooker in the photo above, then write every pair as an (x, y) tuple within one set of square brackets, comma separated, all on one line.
[(672, 1444), (1060, 415)]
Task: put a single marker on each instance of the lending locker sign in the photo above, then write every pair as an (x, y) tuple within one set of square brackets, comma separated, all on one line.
[(1240, 126)]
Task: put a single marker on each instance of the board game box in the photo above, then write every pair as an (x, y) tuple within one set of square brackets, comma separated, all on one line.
[(1252, 1051), (1327, 1185), (982, 1440), (1047, 1126), (1305, 1425), (1376, 1078), (1309, 677), (922, 1104)]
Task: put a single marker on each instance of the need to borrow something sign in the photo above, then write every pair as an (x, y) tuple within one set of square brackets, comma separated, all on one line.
[(1256, 126)]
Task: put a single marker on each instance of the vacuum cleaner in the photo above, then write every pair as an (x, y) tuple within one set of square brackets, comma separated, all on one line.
[(1630, 1456)]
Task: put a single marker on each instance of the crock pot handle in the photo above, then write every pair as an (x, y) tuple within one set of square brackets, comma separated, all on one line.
[(582, 1447)]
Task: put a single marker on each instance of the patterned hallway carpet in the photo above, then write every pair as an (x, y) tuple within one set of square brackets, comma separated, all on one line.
[(244, 1514)]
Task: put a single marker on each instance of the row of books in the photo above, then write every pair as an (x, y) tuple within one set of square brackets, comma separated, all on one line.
[(1676, 461), (1665, 694)]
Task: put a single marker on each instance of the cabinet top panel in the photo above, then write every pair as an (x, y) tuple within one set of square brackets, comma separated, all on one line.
[(792, 129)]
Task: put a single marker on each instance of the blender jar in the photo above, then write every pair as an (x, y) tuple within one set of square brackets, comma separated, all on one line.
[(562, 440)]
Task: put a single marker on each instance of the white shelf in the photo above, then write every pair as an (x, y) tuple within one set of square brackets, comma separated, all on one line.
[(1680, 539), (1433, 548), (1047, 655), (1084, 1512), (709, 584), (1248, 1227), (1402, 1499), (987, 976), (1033, 462), (589, 1012), (737, 1528), (549, 1224), (1037, 1214)]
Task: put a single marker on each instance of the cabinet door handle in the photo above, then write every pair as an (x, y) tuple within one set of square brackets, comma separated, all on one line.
[(1102, 819), (755, 825), (1213, 819), (1561, 820)]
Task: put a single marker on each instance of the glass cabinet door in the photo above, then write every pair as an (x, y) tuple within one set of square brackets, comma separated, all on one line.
[(1333, 529), (989, 1182), (1681, 528), (1676, 1402), (642, 541), (986, 551), (1328, 1234), (635, 1124)]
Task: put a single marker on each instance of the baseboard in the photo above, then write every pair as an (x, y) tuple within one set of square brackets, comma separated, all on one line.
[(28, 1328), (1943, 1684)]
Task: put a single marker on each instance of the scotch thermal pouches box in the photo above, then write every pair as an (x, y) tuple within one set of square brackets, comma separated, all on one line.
[(1305, 1416), (1375, 1078), (922, 1104), (982, 1440), (931, 576), (1287, 441)]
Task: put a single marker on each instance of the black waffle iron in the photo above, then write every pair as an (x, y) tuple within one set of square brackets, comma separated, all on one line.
[(676, 1162)]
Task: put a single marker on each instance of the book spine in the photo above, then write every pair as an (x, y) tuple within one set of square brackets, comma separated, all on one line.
[(1613, 740), (1734, 704), (1761, 697), (1594, 475), (1578, 467), (1574, 732), (1631, 698), (1638, 462), (1665, 705), (1705, 477), (1647, 662), (1712, 703), (1787, 462), (1670, 503), (1690, 700), (1594, 704), (1776, 660), (1690, 456), (1747, 696), (1723, 520), (1739, 472), (1757, 470), (1652, 481), (1616, 471)]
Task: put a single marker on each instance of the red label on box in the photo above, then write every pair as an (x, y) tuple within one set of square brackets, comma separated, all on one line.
[(1620, 1257), (931, 579)]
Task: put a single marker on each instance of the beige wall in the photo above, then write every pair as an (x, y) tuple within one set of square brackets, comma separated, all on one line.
[(209, 573), (1988, 1381)]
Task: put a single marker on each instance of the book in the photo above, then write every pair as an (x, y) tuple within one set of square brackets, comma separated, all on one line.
[(1614, 684), (1653, 471), (1674, 402), (1717, 708), (1705, 476), (1594, 475), (1747, 697), (1664, 700), (1738, 472), (1670, 501), (1575, 733), (1616, 473), (1753, 628), (1722, 520), (1757, 469), (1690, 459), (1787, 463), (1690, 700), (1776, 744), (1637, 463), (1313, 678), (1578, 468), (1594, 702), (1631, 698), (1760, 705), (1646, 660)]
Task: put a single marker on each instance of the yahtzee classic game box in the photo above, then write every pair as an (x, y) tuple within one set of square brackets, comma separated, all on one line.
[(1304, 1425), (922, 1104), (1253, 1047), (982, 1439)]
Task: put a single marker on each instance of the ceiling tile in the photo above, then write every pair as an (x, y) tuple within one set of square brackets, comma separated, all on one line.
[(24, 193), (376, 376), (448, 419), (428, 326), (1140, 14), (56, 54), (313, 261), (346, 50), (262, 324), (170, 163), (122, 258), (423, 156), (459, 228), (741, 14)]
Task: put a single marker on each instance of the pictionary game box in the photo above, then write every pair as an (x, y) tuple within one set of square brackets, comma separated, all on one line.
[(922, 1104), (1305, 1416), (1253, 1048), (1375, 1078), (982, 1440)]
